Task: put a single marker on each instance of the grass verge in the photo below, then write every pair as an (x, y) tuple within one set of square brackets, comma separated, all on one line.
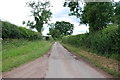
[(107, 64), (22, 52)]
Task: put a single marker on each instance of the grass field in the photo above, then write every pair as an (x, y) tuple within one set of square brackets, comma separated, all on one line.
[(107, 64), (18, 52)]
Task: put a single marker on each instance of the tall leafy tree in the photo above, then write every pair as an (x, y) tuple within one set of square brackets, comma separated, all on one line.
[(65, 28), (41, 13), (96, 14), (55, 33), (60, 29)]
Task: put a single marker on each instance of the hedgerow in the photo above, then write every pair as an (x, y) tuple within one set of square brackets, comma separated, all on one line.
[(12, 31), (103, 42)]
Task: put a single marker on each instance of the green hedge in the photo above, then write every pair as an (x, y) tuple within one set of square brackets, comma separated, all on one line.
[(14, 32), (102, 42)]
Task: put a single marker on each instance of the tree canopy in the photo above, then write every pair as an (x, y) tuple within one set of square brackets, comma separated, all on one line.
[(60, 29), (96, 14), (65, 28), (41, 13)]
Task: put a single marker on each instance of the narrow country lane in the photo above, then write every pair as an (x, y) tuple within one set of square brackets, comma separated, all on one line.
[(62, 64), (58, 64)]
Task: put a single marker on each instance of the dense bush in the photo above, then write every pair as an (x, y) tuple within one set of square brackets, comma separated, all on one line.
[(14, 32), (103, 42)]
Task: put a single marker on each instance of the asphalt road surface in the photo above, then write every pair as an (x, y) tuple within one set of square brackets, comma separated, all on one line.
[(58, 63)]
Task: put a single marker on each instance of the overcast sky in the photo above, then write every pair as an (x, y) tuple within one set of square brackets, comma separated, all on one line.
[(15, 12)]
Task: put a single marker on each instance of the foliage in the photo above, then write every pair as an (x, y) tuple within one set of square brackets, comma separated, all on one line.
[(55, 33), (75, 8), (60, 29), (41, 13), (65, 28), (102, 42), (96, 14), (116, 16), (14, 32)]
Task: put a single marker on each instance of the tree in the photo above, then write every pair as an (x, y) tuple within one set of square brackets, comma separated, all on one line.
[(65, 28), (75, 8), (41, 13), (55, 33), (96, 14), (60, 29), (116, 16)]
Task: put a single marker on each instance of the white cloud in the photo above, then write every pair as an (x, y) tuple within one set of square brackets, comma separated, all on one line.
[(15, 12), (80, 29)]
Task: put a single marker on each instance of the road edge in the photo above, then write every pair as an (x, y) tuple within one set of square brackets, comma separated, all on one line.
[(99, 69)]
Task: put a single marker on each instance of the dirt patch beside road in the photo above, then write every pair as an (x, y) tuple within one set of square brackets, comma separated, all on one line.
[(34, 69)]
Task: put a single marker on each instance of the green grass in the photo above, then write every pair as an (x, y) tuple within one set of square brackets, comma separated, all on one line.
[(11, 43), (92, 60), (114, 73), (22, 52)]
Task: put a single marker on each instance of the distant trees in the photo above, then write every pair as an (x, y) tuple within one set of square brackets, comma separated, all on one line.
[(96, 14), (65, 28), (55, 33), (41, 13), (60, 29)]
